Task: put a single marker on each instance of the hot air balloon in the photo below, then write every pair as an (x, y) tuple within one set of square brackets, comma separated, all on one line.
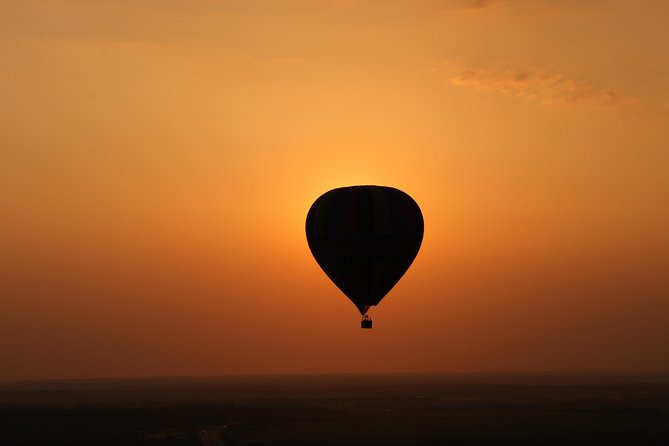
[(364, 238)]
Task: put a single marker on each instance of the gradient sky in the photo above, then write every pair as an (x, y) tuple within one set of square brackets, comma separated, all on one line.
[(158, 158)]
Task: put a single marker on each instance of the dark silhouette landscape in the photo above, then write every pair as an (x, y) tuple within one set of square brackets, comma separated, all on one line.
[(388, 409)]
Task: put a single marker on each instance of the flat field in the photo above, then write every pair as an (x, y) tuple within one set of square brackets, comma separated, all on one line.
[(416, 409)]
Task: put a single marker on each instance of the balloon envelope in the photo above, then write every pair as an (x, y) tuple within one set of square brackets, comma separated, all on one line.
[(364, 238)]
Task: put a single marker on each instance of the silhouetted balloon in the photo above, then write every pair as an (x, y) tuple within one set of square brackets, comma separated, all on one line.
[(364, 238)]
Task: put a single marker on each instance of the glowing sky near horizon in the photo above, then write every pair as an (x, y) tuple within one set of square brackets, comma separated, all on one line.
[(158, 158)]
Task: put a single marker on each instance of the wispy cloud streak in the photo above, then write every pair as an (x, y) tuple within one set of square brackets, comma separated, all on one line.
[(480, 4), (539, 86)]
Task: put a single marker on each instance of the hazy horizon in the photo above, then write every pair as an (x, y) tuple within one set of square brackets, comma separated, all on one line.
[(617, 376)]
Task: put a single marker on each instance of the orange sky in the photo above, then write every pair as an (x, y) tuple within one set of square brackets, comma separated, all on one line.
[(158, 158)]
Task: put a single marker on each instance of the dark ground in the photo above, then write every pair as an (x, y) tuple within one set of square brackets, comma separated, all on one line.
[(447, 409)]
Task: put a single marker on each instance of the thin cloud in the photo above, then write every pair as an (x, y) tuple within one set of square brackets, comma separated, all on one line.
[(539, 86), (480, 4)]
